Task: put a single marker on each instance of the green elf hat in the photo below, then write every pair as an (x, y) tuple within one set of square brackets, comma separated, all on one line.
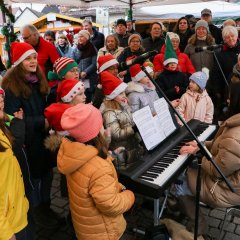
[(61, 66), (170, 55)]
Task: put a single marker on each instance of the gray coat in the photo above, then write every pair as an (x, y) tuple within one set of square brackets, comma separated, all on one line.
[(139, 96), (88, 65), (200, 59)]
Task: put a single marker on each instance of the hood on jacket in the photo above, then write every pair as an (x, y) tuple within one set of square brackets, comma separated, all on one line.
[(233, 121), (53, 142), (73, 155), (134, 87)]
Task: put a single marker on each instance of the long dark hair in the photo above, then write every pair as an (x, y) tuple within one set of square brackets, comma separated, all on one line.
[(234, 106), (101, 144), (15, 81), (176, 28)]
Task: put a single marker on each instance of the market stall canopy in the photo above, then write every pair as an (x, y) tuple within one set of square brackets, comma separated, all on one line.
[(219, 9), (104, 3)]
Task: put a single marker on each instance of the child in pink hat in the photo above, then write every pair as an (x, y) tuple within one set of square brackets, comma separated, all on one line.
[(97, 199)]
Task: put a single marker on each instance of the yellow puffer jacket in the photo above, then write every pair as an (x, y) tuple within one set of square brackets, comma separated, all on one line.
[(96, 200), (13, 203)]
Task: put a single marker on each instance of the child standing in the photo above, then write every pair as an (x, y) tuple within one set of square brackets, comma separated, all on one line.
[(173, 82), (97, 199), (64, 68), (26, 87), (196, 103), (140, 91), (118, 117), (13, 202)]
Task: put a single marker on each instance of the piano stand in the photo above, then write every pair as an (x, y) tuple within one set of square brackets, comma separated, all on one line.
[(156, 213)]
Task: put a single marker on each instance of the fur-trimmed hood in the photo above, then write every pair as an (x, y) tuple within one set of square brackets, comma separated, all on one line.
[(53, 142), (134, 87)]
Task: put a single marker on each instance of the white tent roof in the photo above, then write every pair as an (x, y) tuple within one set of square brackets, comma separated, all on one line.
[(218, 8), (106, 3)]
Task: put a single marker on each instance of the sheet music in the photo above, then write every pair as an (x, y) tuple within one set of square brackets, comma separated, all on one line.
[(163, 113), (147, 127), (154, 130)]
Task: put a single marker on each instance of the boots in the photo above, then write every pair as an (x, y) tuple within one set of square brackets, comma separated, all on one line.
[(187, 207)]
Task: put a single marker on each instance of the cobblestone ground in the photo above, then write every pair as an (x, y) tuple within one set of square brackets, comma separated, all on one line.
[(139, 217)]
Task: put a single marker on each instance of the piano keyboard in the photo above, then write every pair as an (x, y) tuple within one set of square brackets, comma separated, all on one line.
[(161, 171), (161, 166)]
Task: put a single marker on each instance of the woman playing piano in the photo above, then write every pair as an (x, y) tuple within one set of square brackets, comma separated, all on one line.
[(225, 149)]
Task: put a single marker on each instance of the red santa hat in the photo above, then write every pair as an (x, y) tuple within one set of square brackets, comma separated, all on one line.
[(112, 86), (105, 62), (68, 89), (54, 113), (136, 73), (20, 51)]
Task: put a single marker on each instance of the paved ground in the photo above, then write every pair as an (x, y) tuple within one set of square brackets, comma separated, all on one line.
[(138, 217)]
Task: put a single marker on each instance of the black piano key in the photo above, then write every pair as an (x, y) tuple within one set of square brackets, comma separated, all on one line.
[(146, 178), (161, 164), (148, 174), (158, 170)]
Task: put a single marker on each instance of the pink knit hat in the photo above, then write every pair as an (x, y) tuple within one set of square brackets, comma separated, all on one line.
[(83, 122)]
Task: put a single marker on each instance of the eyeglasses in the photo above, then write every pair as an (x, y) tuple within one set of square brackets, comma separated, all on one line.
[(26, 38)]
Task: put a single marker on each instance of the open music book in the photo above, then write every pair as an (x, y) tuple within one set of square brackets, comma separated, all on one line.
[(154, 130)]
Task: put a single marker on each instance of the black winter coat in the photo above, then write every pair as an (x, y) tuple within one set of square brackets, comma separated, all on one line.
[(122, 58), (33, 109), (168, 80), (17, 129), (97, 39), (216, 33), (227, 58)]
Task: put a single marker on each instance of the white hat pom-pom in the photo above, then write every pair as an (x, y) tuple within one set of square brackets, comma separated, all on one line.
[(206, 71)]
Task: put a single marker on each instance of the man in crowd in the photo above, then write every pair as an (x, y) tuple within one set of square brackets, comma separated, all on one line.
[(121, 32), (130, 28), (155, 41), (206, 14), (97, 38), (47, 52)]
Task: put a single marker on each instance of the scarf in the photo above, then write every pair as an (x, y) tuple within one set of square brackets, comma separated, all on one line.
[(202, 38), (87, 50), (31, 78)]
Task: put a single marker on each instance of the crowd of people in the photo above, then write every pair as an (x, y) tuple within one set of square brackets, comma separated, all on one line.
[(71, 106)]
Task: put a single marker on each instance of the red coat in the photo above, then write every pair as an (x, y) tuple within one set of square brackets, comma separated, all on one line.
[(47, 55), (184, 63)]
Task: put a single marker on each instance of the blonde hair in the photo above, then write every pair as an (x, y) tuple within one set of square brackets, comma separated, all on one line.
[(112, 104)]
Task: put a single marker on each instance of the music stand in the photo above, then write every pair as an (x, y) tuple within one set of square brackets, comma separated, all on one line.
[(202, 149)]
